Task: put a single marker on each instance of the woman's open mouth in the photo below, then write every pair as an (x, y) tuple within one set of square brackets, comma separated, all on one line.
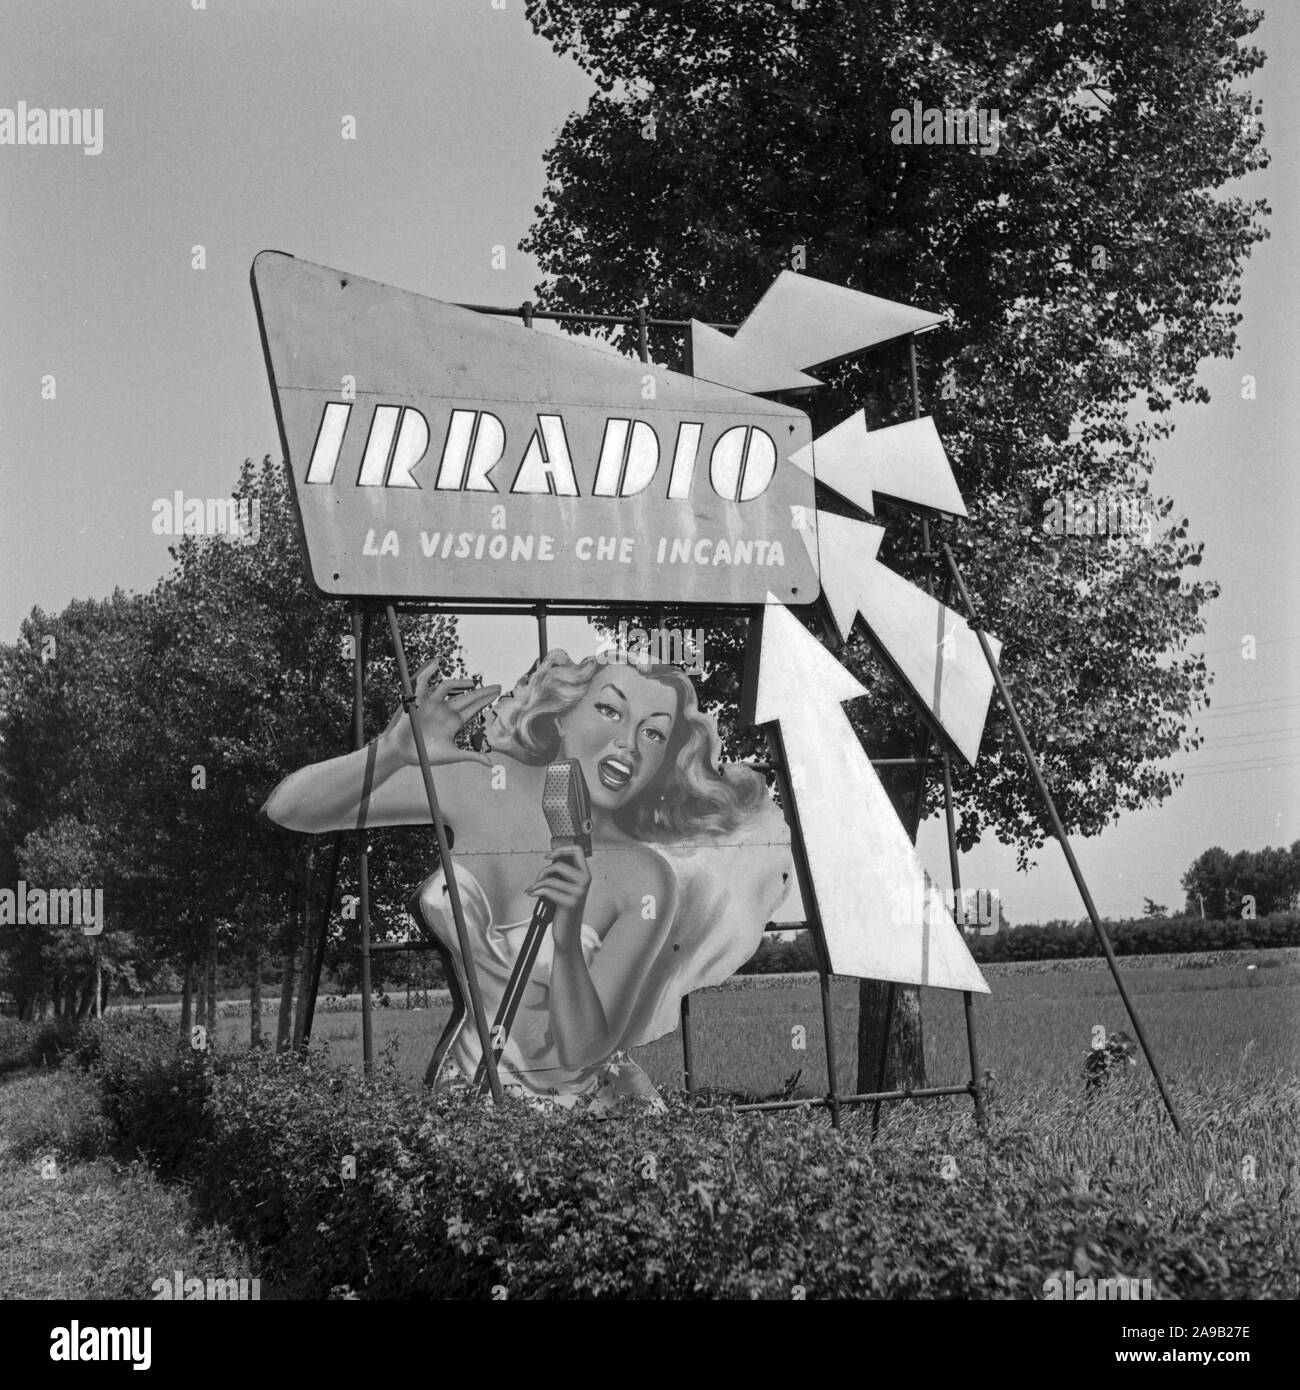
[(614, 773)]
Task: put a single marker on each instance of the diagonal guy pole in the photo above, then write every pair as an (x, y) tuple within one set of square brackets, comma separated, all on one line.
[(444, 858), (1059, 831)]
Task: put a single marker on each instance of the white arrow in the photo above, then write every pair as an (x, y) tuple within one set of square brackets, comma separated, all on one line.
[(759, 368), (813, 322), (904, 462), (881, 917), (930, 646)]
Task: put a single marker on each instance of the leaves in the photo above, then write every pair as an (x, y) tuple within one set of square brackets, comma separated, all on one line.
[(772, 129)]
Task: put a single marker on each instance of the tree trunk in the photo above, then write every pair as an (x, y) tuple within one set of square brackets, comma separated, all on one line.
[(89, 991), (308, 953), (255, 993), (187, 999), (905, 1064), (200, 988), (210, 1016), (289, 968), (905, 1056)]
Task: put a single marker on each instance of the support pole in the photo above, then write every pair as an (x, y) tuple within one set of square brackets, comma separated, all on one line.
[(688, 1040), (1059, 831), (802, 872), (444, 858), (954, 866), (331, 884), (359, 633), (967, 998)]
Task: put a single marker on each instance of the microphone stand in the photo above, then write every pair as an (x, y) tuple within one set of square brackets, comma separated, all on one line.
[(543, 916)]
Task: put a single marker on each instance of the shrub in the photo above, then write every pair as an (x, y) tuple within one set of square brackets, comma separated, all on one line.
[(98, 1035), (1145, 936), (155, 1089), (453, 1199), (33, 1044)]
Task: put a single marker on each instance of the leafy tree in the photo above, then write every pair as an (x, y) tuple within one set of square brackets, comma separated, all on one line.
[(1222, 881), (1151, 908), (57, 684), (149, 735), (1087, 268), (1207, 883)]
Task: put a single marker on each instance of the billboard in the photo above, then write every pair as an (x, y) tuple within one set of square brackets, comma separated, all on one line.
[(437, 452), (689, 858)]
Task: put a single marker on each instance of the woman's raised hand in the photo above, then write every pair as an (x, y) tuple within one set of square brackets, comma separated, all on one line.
[(442, 708), (565, 883)]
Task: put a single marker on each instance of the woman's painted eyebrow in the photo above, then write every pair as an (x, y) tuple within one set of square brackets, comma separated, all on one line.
[(658, 714)]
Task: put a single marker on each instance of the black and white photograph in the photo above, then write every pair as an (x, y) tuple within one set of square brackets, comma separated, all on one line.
[(646, 654)]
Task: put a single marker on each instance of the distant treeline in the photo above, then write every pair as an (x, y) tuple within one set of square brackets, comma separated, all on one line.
[(1057, 941)]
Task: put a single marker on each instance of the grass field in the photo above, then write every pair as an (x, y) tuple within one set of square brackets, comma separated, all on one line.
[(1207, 1025)]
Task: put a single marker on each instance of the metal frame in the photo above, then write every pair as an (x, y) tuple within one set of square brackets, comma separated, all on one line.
[(833, 1101)]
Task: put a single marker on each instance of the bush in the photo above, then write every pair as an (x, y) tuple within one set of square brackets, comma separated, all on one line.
[(1141, 937), (33, 1044), (449, 1198), (775, 957), (97, 1036), (154, 1086), (453, 1199)]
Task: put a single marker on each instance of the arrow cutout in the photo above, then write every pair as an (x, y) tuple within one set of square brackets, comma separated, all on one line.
[(930, 647), (881, 917)]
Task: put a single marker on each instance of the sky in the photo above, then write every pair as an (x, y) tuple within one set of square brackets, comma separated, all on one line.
[(222, 130)]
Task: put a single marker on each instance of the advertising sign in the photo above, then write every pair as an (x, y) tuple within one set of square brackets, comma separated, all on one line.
[(437, 452), (684, 858), (684, 862)]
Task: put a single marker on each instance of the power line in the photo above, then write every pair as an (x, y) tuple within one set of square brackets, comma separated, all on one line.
[(1256, 767), (1267, 642), (1291, 759), (1274, 705), (1253, 736)]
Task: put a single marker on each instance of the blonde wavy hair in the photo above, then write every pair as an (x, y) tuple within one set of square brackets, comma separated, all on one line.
[(689, 799)]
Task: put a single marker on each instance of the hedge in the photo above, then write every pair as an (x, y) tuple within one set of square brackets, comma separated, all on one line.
[(24, 1045), (352, 1187), (1140, 937)]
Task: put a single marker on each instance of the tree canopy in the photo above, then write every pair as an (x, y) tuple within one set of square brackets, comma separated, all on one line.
[(1087, 267), (140, 735)]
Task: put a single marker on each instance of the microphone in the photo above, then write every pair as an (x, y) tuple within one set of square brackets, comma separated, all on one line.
[(566, 804)]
